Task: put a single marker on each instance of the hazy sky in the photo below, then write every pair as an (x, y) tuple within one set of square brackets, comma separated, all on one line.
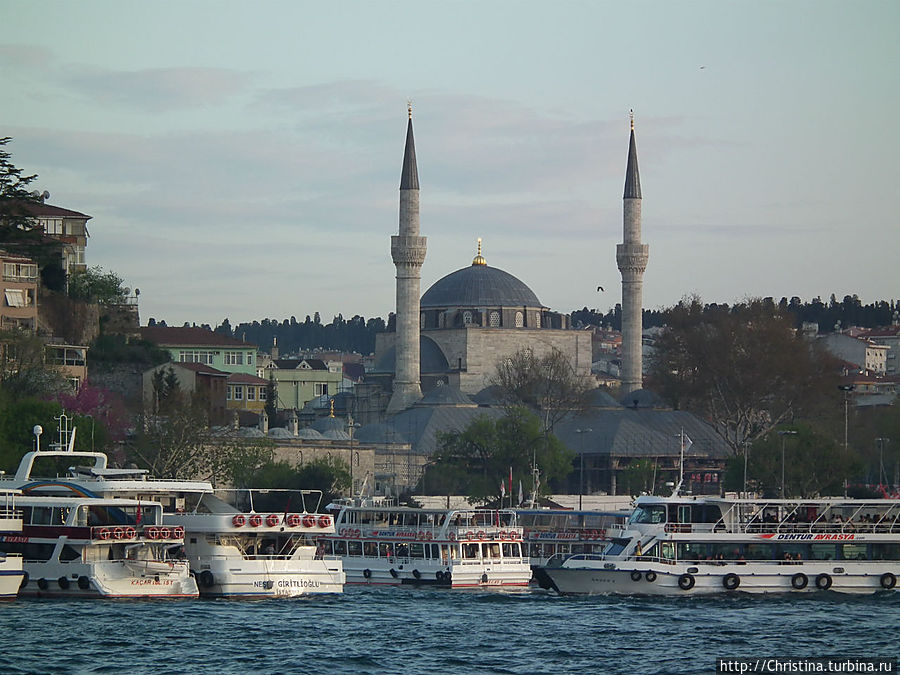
[(242, 160)]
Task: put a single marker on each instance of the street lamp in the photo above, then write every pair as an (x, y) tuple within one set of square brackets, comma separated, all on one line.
[(846, 388), (783, 433), (581, 456), (881, 469)]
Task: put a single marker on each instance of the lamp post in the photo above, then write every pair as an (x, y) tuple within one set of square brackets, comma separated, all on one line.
[(581, 457), (846, 388), (783, 433), (881, 442)]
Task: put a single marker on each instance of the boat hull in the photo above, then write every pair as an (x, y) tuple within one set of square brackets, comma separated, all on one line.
[(112, 579), (649, 579), (374, 573), (11, 575), (263, 578)]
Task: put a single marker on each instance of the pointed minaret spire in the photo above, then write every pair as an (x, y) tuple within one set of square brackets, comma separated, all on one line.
[(408, 253), (632, 256)]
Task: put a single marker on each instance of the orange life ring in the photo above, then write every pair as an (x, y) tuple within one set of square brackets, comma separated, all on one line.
[(118, 532), (502, 535), (152, 532), (103, 533), (309, 521), (165, 533), (429, 536), (481, 535), (130, 532), (420, 535), (324, 521), (293, 520), (452, 536), (255, 520), (178, 532), (273, 519), (239, 520), (470, 535)]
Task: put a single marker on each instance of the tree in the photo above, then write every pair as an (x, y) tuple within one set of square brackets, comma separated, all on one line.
[(546, 385), (171, 442), (478, 459), (271, 397), (745, 369), (95, 285), (18, 229), (24, 371), (328, 474)]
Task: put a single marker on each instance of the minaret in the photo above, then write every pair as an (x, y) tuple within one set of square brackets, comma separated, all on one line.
[(408, 252), (631, 257)]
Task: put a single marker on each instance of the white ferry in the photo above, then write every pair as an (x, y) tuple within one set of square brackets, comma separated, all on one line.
[(382, 543), (89, 547), (11, 574), (258, 543), (684, 545)]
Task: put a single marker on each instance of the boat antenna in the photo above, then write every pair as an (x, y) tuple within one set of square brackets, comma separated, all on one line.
[(686, 443)]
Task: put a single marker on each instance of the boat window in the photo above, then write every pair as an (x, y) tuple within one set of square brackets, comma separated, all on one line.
[(370, 549), (616, 546), (435, 551), (69, 553), (491, 550), (38, 552), (885, 551), (853, 551), (767, 551), (340, 547), (402, 550), (327, 546), (416, 550), (789, 551), (549, 550), (725, 551), (691, 551), (508, 550), (385, 550), (354, 548), (668, 550), (649, 514), (534, 550), (821, 552), (470, 551)]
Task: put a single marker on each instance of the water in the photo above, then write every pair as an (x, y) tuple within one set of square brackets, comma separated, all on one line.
[(406, 630)]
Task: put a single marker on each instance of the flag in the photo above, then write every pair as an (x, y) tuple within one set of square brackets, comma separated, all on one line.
[(510, 482), (687, 443), (502, 489), (521, 496)]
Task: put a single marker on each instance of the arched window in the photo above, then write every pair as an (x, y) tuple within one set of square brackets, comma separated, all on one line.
[(467, 318), (442, 318), (494, 319), (421, 320), (520, 320)]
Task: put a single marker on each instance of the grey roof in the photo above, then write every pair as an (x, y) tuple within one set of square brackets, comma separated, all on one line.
[(324, 424), (409, 176), (431, 358), (479, 286), (632, 175), (600, 398), (420, 424), (379, 432), (446, 395), (279, 432), (336, 434), (641, 432), (490, 395), (640, 398), (308, 433)]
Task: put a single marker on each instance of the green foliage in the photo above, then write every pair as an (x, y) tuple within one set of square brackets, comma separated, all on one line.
[(328, 474), (121, 349), (476, 460), (271, 397), (814, 465), (746, 369), (638, 477), (95, 285), (171, 441)]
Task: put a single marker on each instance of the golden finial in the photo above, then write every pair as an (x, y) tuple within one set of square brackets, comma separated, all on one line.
[(409, 107), (631, 115), (332, 408), (478, 259)]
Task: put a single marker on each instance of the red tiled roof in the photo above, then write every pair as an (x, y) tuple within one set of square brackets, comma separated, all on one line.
[(37, 209), (246, 378), (190, 336), (202, 368)]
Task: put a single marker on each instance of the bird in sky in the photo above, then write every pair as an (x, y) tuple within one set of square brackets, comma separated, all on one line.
[(599, 288)]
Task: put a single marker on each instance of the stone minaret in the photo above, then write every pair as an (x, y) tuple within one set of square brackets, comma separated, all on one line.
[(408, 252), (631, 257)]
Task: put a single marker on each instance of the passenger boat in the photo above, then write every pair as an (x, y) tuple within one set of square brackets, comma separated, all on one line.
[(381, 543), (682, 545), (258, 543), (11, 573), (91, 547), (558, 532)]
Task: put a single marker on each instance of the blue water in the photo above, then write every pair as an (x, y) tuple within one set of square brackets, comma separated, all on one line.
[(407, 630)]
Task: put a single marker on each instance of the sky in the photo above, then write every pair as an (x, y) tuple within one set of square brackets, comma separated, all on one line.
[(242, 160)]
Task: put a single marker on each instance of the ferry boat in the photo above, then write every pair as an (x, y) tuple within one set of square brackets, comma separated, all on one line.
[(11, 574), (91, 547), (683, 545), (381, 543), (549, 532), (258, 543)]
